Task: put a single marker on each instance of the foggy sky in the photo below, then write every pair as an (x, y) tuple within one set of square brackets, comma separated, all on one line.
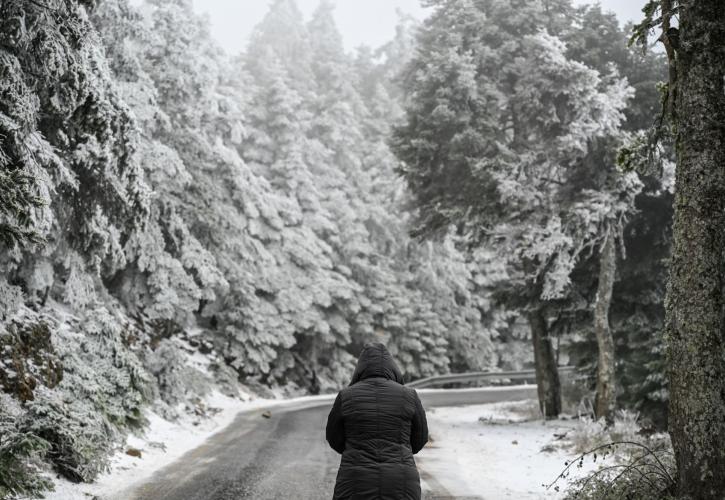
[(361, 22)]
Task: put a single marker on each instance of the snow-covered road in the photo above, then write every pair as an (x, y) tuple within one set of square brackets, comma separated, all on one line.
[(283, 454)]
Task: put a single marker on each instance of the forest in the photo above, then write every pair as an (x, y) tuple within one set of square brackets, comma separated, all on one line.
[(493, 189)]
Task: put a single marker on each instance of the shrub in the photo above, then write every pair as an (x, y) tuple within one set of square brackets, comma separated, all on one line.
[(588, 434), (20, 454), (645, 474), (75, 421), (634, 465), (177, 382), (27, 358), (79, 437)]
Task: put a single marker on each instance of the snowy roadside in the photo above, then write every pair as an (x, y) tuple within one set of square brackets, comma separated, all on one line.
[(161, 443), (488, 451), (494, 451)]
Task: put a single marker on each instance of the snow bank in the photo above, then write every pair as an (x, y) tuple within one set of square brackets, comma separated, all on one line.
[(493, 451)]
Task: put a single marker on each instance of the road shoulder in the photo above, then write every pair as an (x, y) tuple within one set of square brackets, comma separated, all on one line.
[(492, 451)]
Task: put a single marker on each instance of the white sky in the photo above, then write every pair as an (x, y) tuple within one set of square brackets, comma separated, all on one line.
[(368, 22)]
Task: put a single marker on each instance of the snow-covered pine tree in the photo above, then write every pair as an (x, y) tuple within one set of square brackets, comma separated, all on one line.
[(343, 171), (491, 133), (73, 139), (215, 216), (597, 39), (171, 272)]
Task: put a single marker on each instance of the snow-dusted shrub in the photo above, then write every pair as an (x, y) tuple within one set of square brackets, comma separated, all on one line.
[(630, 470), (631, 485), (78, 417), (11, 298), (20, 453), (588, 434), (176, 381), (633, 463), (226, 378), (78, 435), (101, 368), (626, 426), (27, 358)]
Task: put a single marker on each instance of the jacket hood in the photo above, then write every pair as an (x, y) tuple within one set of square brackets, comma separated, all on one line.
[(376, 361)]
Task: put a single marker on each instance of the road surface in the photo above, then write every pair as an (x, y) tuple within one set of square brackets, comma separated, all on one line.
[(284, 456)]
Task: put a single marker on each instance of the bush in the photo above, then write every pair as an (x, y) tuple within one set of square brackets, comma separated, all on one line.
[(590, 433), (645, 474), (177, 382), (634, 465), (79, 437), (27, 358), (102, 393), (20, 455), (75, 420)]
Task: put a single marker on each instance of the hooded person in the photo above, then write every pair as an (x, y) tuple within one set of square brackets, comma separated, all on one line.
[(377, 425)]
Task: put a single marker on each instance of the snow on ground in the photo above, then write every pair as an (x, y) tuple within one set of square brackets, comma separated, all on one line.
[(490, 451), (493, 451)]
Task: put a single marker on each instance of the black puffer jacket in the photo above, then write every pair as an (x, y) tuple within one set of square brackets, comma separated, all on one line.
[(377, 425)]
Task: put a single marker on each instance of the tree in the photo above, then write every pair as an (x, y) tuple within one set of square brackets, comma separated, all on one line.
[(695, 104), (64, 131), (316, 130), (619, 204), (70, 175), (282, 32), (66, 136), (497, 119), (170, 272)]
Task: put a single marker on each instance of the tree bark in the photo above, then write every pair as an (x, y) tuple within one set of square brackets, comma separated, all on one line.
[(604, 403), (547, 372), (695, 311)]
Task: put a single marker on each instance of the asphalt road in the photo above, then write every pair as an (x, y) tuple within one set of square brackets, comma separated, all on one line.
[(284, 456)]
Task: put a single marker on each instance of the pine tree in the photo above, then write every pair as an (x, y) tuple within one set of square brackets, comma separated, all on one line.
[(66, 136), (491, 136), (597, 40), (171, 273)]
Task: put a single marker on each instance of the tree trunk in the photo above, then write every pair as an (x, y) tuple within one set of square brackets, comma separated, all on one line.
[(547, 372), (604, 403), (695, 307)]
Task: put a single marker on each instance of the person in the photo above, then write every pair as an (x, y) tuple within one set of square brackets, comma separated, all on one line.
[(377, 425)]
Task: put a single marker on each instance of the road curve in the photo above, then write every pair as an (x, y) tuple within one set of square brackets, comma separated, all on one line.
[(284, 456)]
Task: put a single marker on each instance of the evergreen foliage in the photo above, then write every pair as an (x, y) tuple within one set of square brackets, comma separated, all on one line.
[(20, 454), (156, 186), (495, 145), (500, 122), (637, 307), (159, 198)]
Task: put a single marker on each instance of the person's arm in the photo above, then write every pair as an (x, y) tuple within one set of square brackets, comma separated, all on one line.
[(335, 431), (419, 427)]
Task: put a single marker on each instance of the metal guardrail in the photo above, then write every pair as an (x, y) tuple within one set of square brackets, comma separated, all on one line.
[(454, 378)]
